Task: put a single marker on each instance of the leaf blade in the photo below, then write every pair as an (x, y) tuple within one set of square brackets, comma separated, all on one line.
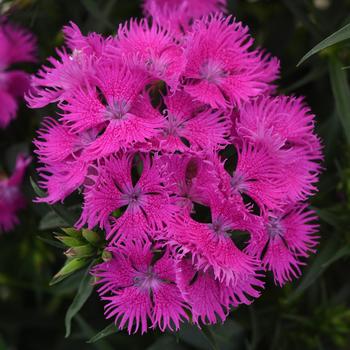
[(338, 36), (84, 291)]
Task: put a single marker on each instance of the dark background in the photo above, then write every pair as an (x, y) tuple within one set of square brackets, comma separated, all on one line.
[(311, 313)]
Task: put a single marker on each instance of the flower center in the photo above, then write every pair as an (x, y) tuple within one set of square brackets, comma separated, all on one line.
[(238, 182), (212, 72), (117, 110), (220, 227), (133, 196), (147, 280), (8, 193), (274, 228), (173, 125)]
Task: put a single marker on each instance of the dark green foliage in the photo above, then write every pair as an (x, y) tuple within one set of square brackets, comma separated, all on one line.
[(311, 313)]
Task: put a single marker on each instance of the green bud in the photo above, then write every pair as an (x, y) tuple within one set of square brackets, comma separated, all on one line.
[(91, 236), (70, 241), (81, 251), (106, 256), (72, 232), (70, 266)]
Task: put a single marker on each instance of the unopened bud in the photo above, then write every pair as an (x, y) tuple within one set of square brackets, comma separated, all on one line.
[(106, 256), (91, 236)]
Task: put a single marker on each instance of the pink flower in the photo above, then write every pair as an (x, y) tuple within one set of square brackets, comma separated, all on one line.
[(256, 174), (139, 292), (11, 198), (289, 237), (285, 126), (191, 125), (151, 49), (62, 154), (93, 44), (190, 179), (209, 298), (56, 81), (211, 245), (178, 14), (141, 208), (122, 108), (221, 68), (16, 45)]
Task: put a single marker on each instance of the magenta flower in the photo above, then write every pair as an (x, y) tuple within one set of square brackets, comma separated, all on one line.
[(16, 45), (11, 198), (211, 245), (256, 174), (285, 126), (221, 68), (168, 131), (151, 49), (208, 298), (123, 109), (74, 68), (144, 207), (63, 154), (140, 293), (289, 237), (190, 125), (178, 14)]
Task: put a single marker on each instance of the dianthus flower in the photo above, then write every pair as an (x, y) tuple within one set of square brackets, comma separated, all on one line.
[(178, 14), (11, 197), (196, 175), (140, 292), (16, 45), (221, 69)]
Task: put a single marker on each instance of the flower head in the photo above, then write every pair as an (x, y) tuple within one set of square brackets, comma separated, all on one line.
[(178, 14), (16, 45), (127, 210), (221, 69), (141, 293), (11, 198), (289, 237), (150, 48)]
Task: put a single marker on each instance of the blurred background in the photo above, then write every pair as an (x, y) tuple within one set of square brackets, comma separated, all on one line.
[(311, 313)]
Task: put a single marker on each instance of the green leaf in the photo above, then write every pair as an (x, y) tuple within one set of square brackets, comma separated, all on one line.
[(38, 191), (341, 92), (89, 331), (51, 221), (84, 291), (327, 256), (338, 36), (109, 330), (210, 337)]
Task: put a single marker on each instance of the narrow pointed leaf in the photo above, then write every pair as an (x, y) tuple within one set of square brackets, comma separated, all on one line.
[(84, 291), (340, 35), (341, 92), (109, 330)]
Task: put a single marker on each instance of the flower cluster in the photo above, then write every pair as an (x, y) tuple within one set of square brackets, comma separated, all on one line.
[(11, 198), (187, 159), (16, 45)]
